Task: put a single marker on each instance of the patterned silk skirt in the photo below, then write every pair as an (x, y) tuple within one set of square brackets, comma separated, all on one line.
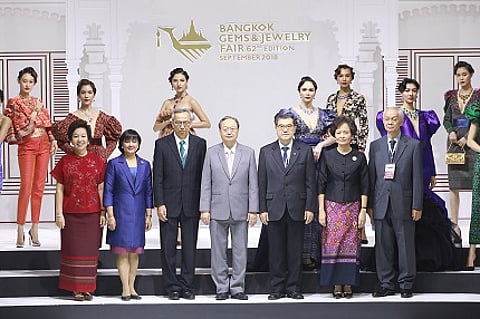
[(79, 252), (341, 241)]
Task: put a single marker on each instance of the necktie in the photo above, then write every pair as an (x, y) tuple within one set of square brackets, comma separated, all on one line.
[(183, 154), (392, 149), (230, 161), (285, 155)]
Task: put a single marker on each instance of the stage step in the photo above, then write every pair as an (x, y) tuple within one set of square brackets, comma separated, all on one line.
[(436, 306), (25, 283)]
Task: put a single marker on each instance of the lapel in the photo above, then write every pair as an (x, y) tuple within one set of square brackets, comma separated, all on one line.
[(222, 159), (236, 159), (385, 151), (402, 144), (126, 171), (173, 147), (140, 172), (293, 155), (277, 157)]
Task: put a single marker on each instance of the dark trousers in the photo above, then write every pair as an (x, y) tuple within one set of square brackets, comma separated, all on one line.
[(395, 235), (168, 245), (285, 238)]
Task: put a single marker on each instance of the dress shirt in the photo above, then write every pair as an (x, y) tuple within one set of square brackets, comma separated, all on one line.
[(230, 156), (185, 146), (289, 151)]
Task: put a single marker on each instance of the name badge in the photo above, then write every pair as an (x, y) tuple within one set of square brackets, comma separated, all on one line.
[(389, 171)]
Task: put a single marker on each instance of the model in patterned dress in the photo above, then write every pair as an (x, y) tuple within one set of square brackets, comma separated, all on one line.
[(457, 125)]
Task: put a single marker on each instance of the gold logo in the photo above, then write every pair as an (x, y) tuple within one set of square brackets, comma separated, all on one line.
[(191, 45)]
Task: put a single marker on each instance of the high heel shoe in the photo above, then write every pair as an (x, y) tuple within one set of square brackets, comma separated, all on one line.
[(337, 292), (22, 243), (33, 243)]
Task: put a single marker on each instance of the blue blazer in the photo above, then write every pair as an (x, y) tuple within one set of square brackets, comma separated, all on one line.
[(130, 197)]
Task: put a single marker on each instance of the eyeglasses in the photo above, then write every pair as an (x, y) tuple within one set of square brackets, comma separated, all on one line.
[(231, 128), (285, 126), (182, 123)]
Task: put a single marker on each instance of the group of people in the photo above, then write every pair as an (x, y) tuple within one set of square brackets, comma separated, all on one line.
[(312, 190)]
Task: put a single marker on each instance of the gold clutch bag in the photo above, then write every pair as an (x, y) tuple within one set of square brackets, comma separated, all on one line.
[(454, 158)]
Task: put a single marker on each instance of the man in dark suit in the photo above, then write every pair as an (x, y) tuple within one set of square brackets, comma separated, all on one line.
[(229, 203), (395, 202), (177, 174), (287, 193)]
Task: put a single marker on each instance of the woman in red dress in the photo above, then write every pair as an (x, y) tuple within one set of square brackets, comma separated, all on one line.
[(79, 214), (102, 125)]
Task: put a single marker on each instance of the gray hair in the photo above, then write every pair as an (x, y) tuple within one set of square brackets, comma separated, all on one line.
[(183, 109), (228, 117), (398, 109)]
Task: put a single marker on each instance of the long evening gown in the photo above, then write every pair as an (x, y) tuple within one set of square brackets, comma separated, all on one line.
[(433, 232)]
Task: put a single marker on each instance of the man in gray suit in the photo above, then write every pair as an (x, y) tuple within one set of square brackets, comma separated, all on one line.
[(395, 202), (229, 201), (288, 198)]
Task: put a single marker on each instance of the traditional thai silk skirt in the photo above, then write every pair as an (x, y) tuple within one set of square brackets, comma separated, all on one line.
[(341, 241), (79, 252)]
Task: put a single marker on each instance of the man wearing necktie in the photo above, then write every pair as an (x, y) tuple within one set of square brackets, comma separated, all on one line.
[(287, 192), (229, 202), (177, 173), (395, 202)]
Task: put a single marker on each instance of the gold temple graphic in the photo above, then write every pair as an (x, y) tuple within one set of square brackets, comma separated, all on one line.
[(191, 45)]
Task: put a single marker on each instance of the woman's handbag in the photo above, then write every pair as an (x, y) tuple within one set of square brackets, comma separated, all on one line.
[(454, 158)]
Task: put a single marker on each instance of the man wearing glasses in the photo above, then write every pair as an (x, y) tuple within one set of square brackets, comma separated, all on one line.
[(287, 192), (177, 173)]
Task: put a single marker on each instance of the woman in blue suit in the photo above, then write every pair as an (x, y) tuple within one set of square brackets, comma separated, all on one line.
[(128, 200)]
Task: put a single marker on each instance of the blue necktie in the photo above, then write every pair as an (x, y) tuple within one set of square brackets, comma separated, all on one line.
[(285, 155), (183, 154)]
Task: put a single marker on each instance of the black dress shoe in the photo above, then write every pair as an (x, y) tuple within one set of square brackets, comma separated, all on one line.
[(125, 298), (136, 297), (221, 296), (174, 295), (240, 296), (383, 292), (294, 295), (187, 294), (469, 268), (275, 296), (406, 293)]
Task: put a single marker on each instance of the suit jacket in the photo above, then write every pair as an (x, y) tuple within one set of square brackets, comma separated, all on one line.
[(223, 195), (405, 190), (292, 187), (130, 197), (175, 186)]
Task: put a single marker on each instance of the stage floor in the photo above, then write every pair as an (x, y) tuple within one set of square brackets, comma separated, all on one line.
[(253, 299)]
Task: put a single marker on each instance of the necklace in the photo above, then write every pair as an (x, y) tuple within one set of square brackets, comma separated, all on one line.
[(88, 115), (178, 99), (465, 97), (306, 110), (343, 97), (28, 100), (411, 114)]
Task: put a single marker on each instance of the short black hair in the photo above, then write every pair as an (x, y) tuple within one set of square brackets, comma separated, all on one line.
[(306, 79), (403, 85), (129, 135), (78, 124), (339, 68), (283, 114), (84, 82), (178, 71), (339, 121)]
